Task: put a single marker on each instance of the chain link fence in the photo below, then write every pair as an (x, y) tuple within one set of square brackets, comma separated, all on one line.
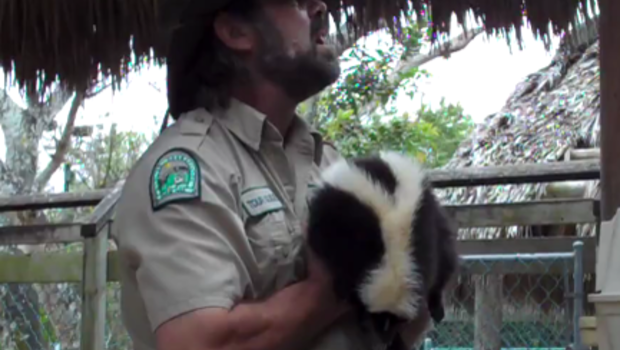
[(47, 316), (498, 302), (516, 301)]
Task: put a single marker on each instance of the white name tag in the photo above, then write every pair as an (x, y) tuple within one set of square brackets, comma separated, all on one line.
[(312, 188), (260, 200)]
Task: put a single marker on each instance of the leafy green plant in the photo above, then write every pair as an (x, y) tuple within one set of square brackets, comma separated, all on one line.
[(356, 115)]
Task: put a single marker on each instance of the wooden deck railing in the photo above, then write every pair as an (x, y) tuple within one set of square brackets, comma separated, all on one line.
[(96, 265)]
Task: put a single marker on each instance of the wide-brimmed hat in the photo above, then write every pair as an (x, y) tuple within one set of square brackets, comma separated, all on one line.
[(174, 15), (181, 25)]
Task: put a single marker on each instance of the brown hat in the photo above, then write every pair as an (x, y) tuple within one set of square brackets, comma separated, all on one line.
[(172, 15), (180, 34)]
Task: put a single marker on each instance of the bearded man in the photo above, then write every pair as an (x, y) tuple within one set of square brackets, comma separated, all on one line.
[(210, 221)]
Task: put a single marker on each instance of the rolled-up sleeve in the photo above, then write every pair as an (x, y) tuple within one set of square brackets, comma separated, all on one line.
[(189, 252)]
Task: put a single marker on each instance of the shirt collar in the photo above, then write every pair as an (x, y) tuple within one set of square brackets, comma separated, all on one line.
[(248, 125)]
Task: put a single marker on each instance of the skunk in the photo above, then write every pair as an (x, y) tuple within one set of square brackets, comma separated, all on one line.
[(381, 232)]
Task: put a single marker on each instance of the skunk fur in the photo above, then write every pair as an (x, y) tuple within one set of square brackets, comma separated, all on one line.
[(389, 244)]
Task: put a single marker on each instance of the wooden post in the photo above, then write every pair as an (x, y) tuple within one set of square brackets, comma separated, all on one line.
[(94, 292), (488, 316), (609, 36), (96, 232)]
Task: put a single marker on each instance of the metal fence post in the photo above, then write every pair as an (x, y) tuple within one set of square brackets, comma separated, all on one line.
[(577, 294), (428, 344)]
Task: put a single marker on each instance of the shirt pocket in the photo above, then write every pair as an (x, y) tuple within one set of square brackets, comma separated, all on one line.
[(275, 245)]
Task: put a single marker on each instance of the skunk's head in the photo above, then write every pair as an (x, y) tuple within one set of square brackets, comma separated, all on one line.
[(360, 224)]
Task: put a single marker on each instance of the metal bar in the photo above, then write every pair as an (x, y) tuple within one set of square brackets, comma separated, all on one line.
[(578, 294), (491, 264), (524, 245), (517, 257)]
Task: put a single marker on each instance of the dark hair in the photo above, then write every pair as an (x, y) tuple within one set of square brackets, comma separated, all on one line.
[(201, 69)]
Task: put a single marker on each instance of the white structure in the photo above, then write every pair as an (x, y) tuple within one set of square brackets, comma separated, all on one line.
[(607, 302)]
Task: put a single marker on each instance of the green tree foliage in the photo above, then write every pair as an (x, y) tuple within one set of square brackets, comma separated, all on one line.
[(357, 117), (430, 135), (101, 160)]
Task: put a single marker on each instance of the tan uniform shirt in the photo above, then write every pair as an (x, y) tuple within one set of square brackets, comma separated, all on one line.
[(211, 215)]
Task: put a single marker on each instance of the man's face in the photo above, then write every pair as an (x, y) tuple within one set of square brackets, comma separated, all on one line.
[(292, 51)]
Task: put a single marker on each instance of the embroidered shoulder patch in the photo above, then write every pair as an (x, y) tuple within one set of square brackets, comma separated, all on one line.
[(175, 177)]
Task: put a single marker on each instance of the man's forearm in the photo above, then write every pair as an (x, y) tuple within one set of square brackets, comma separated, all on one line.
[(294, 315)]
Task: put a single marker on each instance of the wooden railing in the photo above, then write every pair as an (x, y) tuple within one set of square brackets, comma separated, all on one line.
[(96, 265)]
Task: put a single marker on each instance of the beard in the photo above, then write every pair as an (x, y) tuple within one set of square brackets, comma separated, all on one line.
[(301, 74)]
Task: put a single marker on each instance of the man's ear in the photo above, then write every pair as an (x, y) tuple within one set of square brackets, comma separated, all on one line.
[(234, 32)]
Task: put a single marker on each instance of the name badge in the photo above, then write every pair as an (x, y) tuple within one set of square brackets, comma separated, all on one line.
[(260, 200), (312, 188)]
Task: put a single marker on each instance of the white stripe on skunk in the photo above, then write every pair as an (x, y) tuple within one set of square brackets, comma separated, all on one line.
[(388, 287), (382, 233)]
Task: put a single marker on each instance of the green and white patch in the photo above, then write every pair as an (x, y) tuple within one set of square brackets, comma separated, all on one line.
[(175, 177), (260, 200)]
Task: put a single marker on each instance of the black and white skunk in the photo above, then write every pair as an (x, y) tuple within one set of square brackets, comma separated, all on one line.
[(382, 233)]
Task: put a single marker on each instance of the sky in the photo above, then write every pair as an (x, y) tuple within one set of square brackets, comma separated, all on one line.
[(480, 77)]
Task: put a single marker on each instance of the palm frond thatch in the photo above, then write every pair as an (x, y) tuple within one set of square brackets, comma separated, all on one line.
[(77, 41), (552, 110), (73, 40)]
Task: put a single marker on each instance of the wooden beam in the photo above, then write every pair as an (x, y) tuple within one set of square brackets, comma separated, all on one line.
[(63, 233), (516, 174), (40, 234), (68, 267), (609, 36), (552, 212), (41, 268), (496, 175), (584, 153), (102, 215), (576, 211), (520, 267), (49, 201)]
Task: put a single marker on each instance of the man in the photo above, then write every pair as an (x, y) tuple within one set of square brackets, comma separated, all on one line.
[(210, 222)]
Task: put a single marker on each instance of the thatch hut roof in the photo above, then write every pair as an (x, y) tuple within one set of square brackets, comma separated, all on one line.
[(74, 41), (551, 111)]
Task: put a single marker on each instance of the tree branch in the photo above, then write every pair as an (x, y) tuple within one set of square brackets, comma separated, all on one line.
[(63, 145), (450, 47), (418, 59), (445, 50), (10, 122), (92, 94)]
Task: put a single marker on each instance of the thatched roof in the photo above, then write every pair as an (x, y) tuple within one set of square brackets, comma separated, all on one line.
[(552, 110), (73, 40)]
